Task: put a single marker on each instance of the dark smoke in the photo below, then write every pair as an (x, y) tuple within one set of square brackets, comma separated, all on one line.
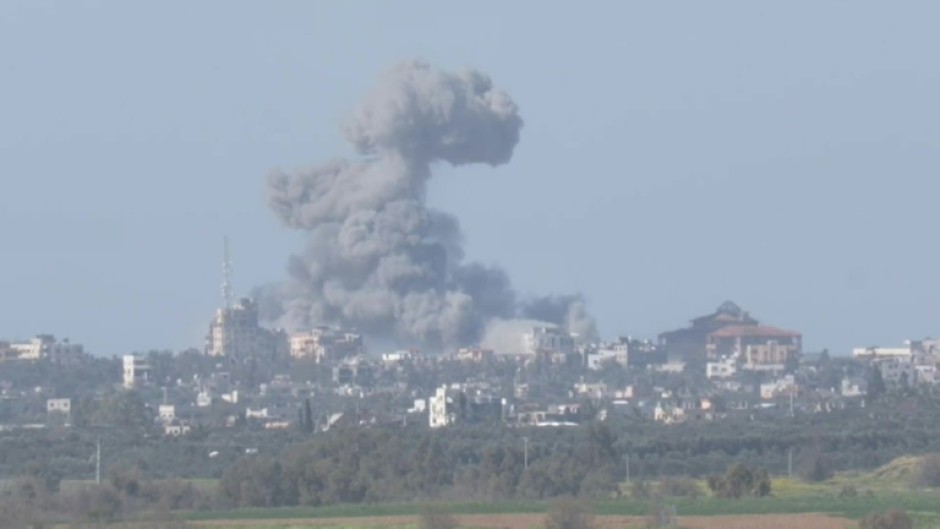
[(378, 259)]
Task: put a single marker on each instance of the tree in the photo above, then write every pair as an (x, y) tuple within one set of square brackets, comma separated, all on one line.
[(308, 417), (816, 469), (927, 473), (569, 513), (876, 385), (739, 481), (679, 488), (435, 517)]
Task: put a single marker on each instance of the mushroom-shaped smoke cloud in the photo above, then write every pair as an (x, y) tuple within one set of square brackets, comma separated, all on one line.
[(378, 259)]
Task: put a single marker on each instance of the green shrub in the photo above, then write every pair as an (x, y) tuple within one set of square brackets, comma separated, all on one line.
[(927, 473), (679, 488), (893, 519), (569, 513)]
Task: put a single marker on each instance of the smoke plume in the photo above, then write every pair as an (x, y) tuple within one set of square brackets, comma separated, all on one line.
[(378, 259)]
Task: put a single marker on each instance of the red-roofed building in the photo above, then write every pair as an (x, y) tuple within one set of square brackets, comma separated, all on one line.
[(730, 331)]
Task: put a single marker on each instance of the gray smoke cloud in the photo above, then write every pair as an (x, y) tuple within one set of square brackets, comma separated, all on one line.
[(378, 259)]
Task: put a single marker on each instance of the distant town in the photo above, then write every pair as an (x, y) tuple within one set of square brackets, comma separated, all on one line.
[(721, 364)]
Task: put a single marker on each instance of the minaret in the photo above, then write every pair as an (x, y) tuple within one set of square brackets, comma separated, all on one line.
[(226, 277)]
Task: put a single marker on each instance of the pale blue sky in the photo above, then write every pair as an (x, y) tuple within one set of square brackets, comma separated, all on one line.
[(675, 154)]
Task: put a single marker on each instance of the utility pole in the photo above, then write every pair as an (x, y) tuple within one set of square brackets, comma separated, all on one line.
[(626, 462), (98, 462), (226, 275), (790, 462), (792, 393), (525, 453)]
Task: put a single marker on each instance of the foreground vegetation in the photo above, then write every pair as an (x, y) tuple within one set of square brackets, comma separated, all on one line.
[(699, 468)]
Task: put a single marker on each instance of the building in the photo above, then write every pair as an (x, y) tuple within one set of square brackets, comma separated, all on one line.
[(926, 348), (897, 371), (595, 390), (326, 344), (356, 372), (450, 406), (724, 368), (671, 412), (7, 353), (59, 406), (166, 413), (260, 413), (853, 387), (136, 371), (784, 386), (401, 356), (541, 341), (731, 331), (645, 353), (882, 353), (235, 333), (176, 429), (42, 347), (691, 343), (617, 353), (755, 345), (475, 355)]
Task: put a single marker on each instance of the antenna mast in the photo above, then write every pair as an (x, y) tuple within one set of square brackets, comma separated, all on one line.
[(226, 276)]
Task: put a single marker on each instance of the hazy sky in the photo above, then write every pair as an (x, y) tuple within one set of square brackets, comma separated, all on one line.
[(674, 155)]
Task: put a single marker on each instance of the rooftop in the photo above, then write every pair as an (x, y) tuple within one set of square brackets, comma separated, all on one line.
[(741, 331)]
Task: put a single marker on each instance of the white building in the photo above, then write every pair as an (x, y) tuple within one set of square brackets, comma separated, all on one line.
[(853, 387), (399, 356), (420, 406), (617, 353), (874, 353), (724, 368), (674, 367), (325, 344), (203, 399), (927, 374), (136, 371), (596, 390), (440, 408), (59, 406), (541, 340), (176, 429), (45, 346), (449, 405), (167, 413), (782, 386), (261, 413)]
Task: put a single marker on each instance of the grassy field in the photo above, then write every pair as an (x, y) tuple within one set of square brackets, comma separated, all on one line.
[(926, 504), (834, 503)]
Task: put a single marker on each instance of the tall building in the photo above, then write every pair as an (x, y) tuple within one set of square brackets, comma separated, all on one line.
[(730, 331), (450, 406), (235, 332), (136, 371)]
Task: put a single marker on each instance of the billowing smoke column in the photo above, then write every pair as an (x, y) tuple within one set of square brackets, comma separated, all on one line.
[(378, 259)]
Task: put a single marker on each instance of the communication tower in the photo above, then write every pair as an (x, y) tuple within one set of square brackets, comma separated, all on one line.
[(226, 276)]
